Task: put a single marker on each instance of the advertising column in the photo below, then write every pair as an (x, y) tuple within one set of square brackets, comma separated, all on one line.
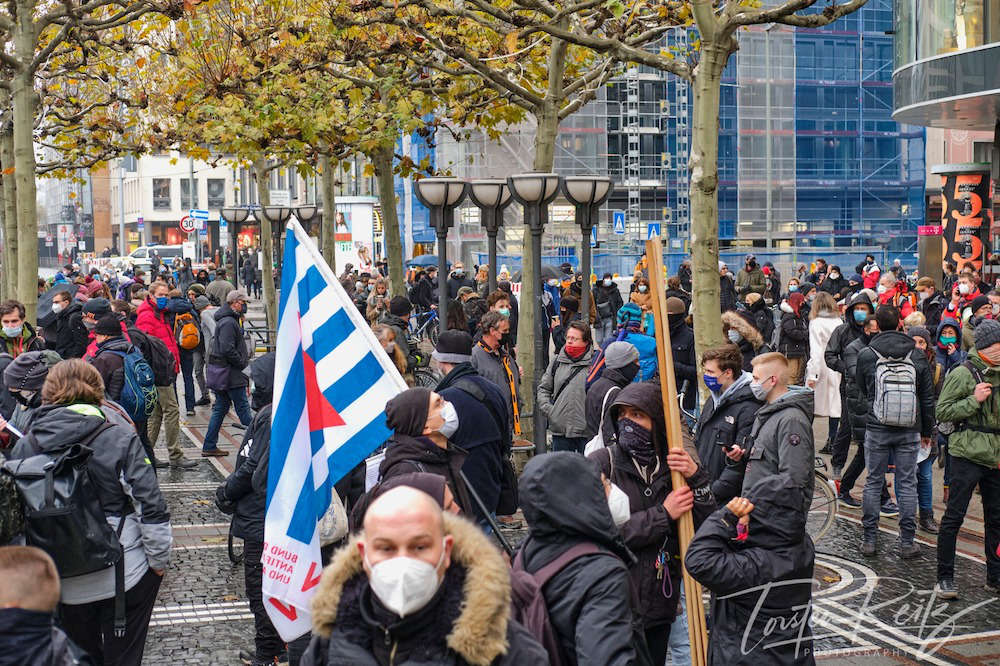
[(966, 213)]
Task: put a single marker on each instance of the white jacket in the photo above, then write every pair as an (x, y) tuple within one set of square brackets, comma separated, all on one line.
[(827, 388)]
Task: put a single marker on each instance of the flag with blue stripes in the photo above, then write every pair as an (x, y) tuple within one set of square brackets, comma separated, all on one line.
[(332, 380)]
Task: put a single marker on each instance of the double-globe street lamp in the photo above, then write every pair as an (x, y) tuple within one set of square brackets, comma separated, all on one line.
[(587, 194), (491, 197), (441, 196)]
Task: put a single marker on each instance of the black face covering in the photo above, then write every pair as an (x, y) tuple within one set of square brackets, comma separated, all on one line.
[(629, 371), (636, 441), (673, 320), (33, 401)]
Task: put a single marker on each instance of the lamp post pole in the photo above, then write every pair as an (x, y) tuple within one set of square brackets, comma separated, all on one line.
[(535, 191), (587, 194), (441, 196), (491, 197)]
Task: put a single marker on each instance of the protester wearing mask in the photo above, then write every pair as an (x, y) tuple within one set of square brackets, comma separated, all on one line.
[(978, 311), (491, 360), (458, 279), (68, 336), (640, 465), (643, 297), (793, 337), (502, 302), (575, 289), (970, 400), (963, 293), (423, 424), (387, 338), (608, 301), (750, 278), (760, 576), (928, 450), (893, 292), (824, 320), (562, 392), (762, 315), (931, 302), (588, 599), (727, 288), (725, 420), (835, 284), (744, 335), (781, 437), (621, 365), (870, 272), (23, 379), (417, 585), (217, 289), (629, 330), (682, 347), (949, 353), (226, 360), (17, 335)]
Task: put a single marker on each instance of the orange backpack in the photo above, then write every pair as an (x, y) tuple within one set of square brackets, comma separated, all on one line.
[(186, 331)]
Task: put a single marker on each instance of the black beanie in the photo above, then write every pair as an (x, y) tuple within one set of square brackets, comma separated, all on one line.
[(407, 412), (109, 324), (400, 306), (453, 347)]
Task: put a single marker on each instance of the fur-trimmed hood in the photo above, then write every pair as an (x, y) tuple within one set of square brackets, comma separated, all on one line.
[(744, 328), (479, 634)]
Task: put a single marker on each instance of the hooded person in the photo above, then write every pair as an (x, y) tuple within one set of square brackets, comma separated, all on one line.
[(928, 450), (725, 420), (621, 365), (484, 424), (762, 315), (24, 378), (744, 335), (423, 423), (947, 345), (417, 586), (835, 283), (608, 301), (640, 466), (575, 289), (760, 576), (589, 605)]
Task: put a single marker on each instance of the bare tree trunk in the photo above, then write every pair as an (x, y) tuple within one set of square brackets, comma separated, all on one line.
[(327, 232), (382, 161), (24, 101), (261, 172), (704, 167), (10, 268)]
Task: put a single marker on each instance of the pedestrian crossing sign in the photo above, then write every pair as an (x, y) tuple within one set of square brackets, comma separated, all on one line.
[(652, 229), (619, 222)]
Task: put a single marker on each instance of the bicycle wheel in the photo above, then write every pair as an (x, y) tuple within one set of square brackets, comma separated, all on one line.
[(433, 330), (235, 547), (823, 510), (425, 377)]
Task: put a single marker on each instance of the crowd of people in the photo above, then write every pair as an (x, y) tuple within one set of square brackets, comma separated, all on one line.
[(903, 368)]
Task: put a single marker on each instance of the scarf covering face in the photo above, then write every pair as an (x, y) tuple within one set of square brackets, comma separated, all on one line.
[(637, 441)]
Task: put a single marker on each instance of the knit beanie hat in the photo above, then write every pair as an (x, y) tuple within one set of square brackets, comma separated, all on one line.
[(407, 412), (620, 354), (987, 333), (27, 372), (109, 324), (400, 306), (453, 347), (97, 307)]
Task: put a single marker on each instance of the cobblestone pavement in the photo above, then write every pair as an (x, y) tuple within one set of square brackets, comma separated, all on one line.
[(866, 611)]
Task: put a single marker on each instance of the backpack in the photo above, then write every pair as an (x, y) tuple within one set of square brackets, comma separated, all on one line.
[(528, 602), (156, 353), (895, 402), (62, 510), (138, 396), (186, 331)]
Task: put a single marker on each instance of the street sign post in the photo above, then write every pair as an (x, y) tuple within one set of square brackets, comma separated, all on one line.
[(652, 229), (187, 224), (593, 237), (619, 222)]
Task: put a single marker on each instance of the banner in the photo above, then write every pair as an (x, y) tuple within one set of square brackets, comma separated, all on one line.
[(332, 380), (966, 215)]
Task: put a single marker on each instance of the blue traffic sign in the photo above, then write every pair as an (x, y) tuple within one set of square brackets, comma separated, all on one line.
[(593, 237), (619, 222), (198, 214), (652, 229)]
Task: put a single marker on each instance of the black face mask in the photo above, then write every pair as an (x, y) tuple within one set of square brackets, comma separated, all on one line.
[(636, 441), (673, 320), (33, 401), (629, 371), (505, 339)]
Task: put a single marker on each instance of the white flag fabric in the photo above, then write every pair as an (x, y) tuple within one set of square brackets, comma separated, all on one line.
[(332, 380)]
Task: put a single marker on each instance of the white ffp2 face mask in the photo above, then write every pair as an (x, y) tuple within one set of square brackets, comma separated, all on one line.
[(619, 505), (450, 416), (404, 585)]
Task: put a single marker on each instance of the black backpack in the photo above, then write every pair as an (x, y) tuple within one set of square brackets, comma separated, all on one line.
[(156, 353)]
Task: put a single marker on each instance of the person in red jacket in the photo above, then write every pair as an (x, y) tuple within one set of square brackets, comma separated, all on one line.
[(893, 292), (153, 319)]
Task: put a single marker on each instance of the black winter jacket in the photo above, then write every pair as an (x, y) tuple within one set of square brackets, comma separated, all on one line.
[(405, 454), (897, 344), (762, 587), (30, 638), (588, 601), (651, 530), (727, 293), (611, 378), (229, 347), (763, 320), (240, 488), (857, 406), (793, 340), (845, 334), (933, 307), (485, 441), (722, 425), (110, 364), (421, 294), (607, 299), (456, 283), (685, 365), (69, 337)]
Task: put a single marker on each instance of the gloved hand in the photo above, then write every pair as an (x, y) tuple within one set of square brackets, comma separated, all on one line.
[(223, 503)]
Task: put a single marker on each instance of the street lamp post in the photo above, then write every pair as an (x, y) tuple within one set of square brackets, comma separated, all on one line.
[(234, 216), (534, 191), (587, 194), (441, 196), (491, 197)]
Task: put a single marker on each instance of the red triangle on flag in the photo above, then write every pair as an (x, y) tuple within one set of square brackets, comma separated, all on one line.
[(321, 412)]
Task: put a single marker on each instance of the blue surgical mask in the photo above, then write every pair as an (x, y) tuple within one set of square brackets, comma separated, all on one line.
[(734, 336), (504, 311), (13, 331), (712, 383), (860, 316), (161, 302), (793, 287)]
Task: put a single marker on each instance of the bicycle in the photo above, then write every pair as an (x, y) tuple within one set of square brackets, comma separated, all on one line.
[(822, 510), (429, 327)]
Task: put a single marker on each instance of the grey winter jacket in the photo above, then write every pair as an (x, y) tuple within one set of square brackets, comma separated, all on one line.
[(490, 366), (124, 478), (783, 442), (562, 395)]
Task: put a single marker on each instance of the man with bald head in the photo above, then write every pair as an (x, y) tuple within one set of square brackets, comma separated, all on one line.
[(417, 585)]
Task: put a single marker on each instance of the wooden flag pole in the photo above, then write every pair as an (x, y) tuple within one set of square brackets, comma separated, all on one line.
[(672, 415)]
